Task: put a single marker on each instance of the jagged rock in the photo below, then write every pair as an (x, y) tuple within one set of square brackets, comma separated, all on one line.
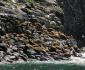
[(51, 1), (6, 58), (79, 55), (18, 1), (43, 58), (31, 51), (2, 4), (34, 31), (12, 57), (3, 47), (1, 55), (67, 54), (71, 42)]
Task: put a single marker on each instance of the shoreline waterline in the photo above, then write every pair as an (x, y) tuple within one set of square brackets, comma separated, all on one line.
[(72, 60)]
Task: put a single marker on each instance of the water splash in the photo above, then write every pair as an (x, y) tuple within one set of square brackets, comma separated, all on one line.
[(72, 60)]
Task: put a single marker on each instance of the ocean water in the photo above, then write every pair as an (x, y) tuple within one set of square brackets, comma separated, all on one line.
[(75, 63), (44, 66)]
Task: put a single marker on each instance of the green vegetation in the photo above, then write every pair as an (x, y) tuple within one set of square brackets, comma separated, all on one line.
[(30, 1)]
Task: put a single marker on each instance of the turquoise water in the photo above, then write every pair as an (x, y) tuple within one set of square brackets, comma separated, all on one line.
[(43, 66), (75, 63)]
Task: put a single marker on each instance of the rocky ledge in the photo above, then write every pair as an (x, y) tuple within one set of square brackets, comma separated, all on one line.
[(30, 31)]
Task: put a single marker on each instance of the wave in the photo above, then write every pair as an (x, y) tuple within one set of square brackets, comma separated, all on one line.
[(72, 60)]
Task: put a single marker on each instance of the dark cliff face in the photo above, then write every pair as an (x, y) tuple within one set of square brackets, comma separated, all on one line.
[(74, 19), (74, 16)]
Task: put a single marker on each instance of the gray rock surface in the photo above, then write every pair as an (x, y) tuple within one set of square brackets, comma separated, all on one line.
[(34, 31)]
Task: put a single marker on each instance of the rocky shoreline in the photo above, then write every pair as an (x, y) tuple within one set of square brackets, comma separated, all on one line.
[(30, 31)]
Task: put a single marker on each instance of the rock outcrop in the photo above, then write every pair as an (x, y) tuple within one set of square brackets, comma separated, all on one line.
[(33, 31)]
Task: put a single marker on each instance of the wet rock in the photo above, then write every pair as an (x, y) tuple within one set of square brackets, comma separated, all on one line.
[(57, 57), (14, 1), (67, 54), (1, 55), (2, 31), (83, 49), (8, 59), (51, 1), (16, 54), (79, 55), (43, 58), (23, 57), (53, 24), (3, 47), (18, 1), (71, 42), (12, 57), (9, 50), (14, 48), (2, 4), (31, 51)]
